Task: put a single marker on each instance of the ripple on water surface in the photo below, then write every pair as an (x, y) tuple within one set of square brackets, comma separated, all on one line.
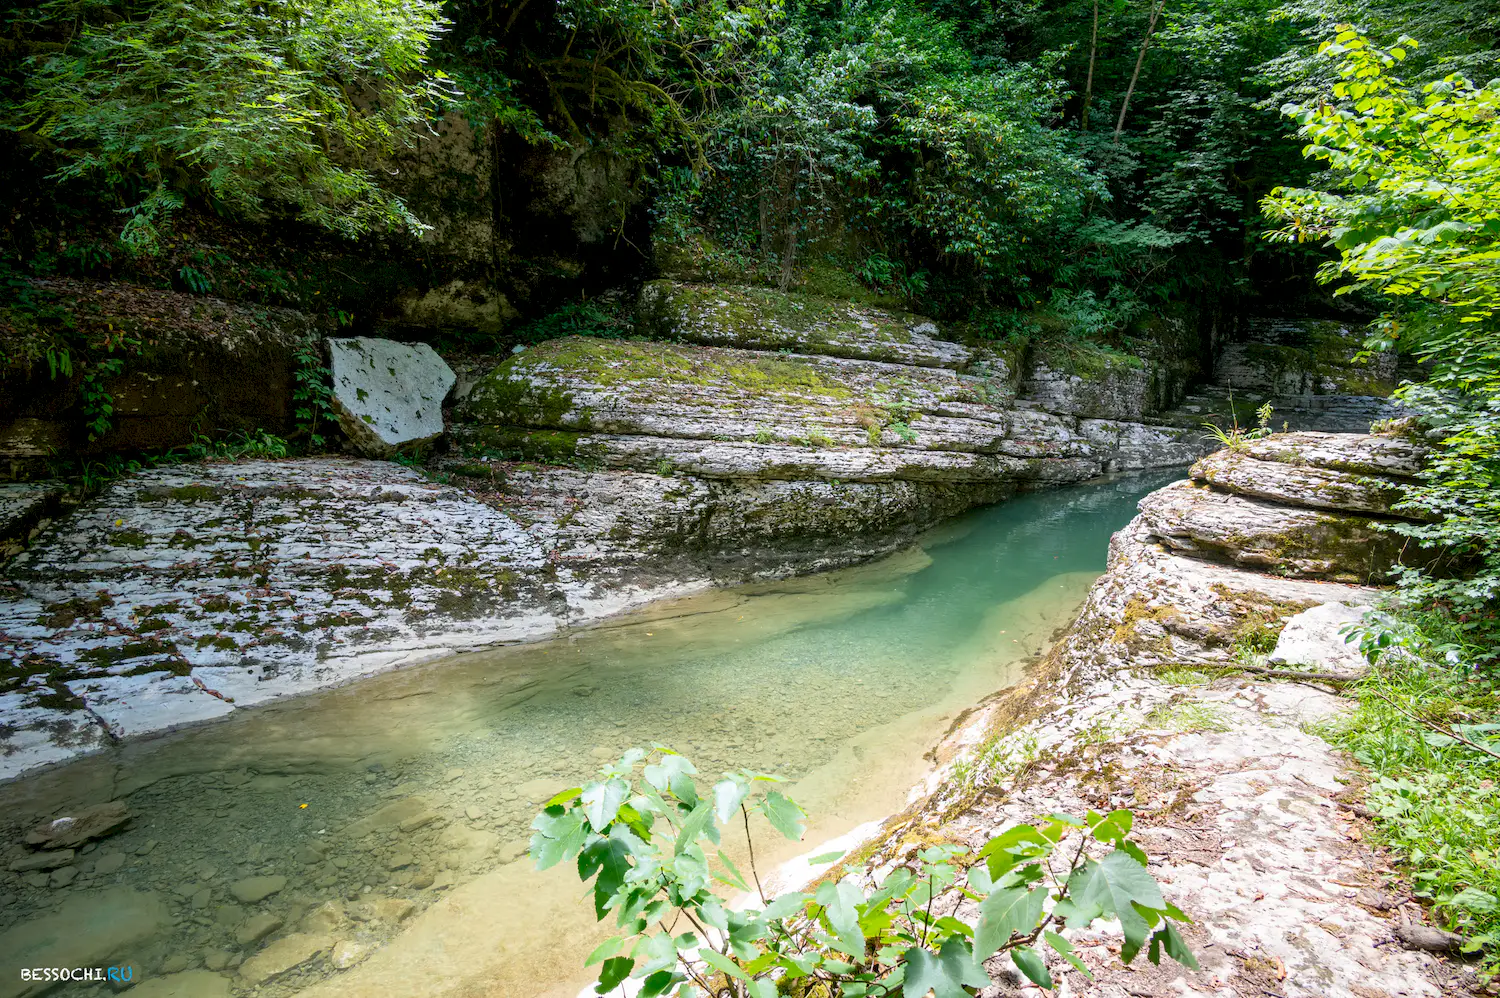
[(285, 846)]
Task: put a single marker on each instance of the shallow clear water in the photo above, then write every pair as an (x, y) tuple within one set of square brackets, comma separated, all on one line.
[(840, 682)]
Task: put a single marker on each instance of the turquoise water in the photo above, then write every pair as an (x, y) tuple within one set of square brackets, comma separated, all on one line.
[(839, 682)]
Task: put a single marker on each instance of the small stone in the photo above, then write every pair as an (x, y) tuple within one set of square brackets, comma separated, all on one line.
[(145, 850), (453, 774), (256, 928), (206, 872), (64, 876), (602, 753), (229, 914), (283, 955), (42, 861), (389, 910), (327, 917), (201, 899), (174, 964), (309, 855), (421, 880), (109, 863), (216, 959), (253, 889), (474, 813), (35, 879), (347, 952), (418, 821), (400, 859)]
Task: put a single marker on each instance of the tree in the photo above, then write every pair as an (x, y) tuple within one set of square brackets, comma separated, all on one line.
[(255, 104), (1415, 214)]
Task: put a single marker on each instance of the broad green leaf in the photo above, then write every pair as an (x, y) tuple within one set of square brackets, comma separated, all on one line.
[(735, 878), (610, 859), (601, 801), (945, 973), (605, 950), (1030, 963), (559, 835), (728, 795), (827, 857), (839, 903), (1004, 913), (722, 963), (784, 814), (614, 971), (1115, 884), (695, 825), (1169, 939), (563, 796)]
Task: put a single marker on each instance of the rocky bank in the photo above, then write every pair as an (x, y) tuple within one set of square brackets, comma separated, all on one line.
[(1146, 702)]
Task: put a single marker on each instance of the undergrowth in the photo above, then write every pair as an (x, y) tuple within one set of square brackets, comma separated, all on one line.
[(1430, 735)]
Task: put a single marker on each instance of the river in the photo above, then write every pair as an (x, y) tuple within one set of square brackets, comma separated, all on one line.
[(390, 815)]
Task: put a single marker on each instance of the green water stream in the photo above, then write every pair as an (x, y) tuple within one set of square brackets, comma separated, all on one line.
[(396, 808)]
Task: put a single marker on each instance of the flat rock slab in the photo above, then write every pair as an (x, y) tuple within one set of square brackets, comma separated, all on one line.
[(88, 930), (1298, 484), (1315, 638), (284, 954), (144, 704), (763, 319), (253, 889), (22, 504), (77, 827), (1357, 453), (1256, 534), (388, 394), (184, 592), (581, 399)]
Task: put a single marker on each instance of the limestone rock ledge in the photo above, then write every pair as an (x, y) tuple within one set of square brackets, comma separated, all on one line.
[(1140, 705)]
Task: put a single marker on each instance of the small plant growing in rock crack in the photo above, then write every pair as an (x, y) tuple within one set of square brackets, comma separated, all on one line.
[(652, 845), (314, 392), (1235, 437)]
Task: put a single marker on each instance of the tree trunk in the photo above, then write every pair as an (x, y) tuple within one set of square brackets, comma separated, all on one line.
[(1145, 42), (1088, 88)]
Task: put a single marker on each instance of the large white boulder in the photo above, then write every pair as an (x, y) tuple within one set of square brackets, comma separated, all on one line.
[(387, 394), (1313, 637)]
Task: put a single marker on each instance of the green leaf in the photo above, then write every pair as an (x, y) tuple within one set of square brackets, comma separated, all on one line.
[(735, 878), (601, 801), (1115, 885), (1168, 938), (605, 950), (614, 971), (610, 859), (1065, 949), (840, 903), (1030, 963), (944, 974), (697, 821), (1006, 912), (722, 963), (827, 857), (559, 835), (784, 814), (563, 796), (729, 794)]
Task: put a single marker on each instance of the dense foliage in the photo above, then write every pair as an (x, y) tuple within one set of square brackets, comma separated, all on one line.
[(654, 849), (1415, 214)]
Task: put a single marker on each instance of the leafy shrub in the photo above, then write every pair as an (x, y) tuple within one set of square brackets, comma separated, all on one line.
[(653, 847)]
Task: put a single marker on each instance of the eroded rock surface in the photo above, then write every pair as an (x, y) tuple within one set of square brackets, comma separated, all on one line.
[(1238, 805), (388, 395)]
